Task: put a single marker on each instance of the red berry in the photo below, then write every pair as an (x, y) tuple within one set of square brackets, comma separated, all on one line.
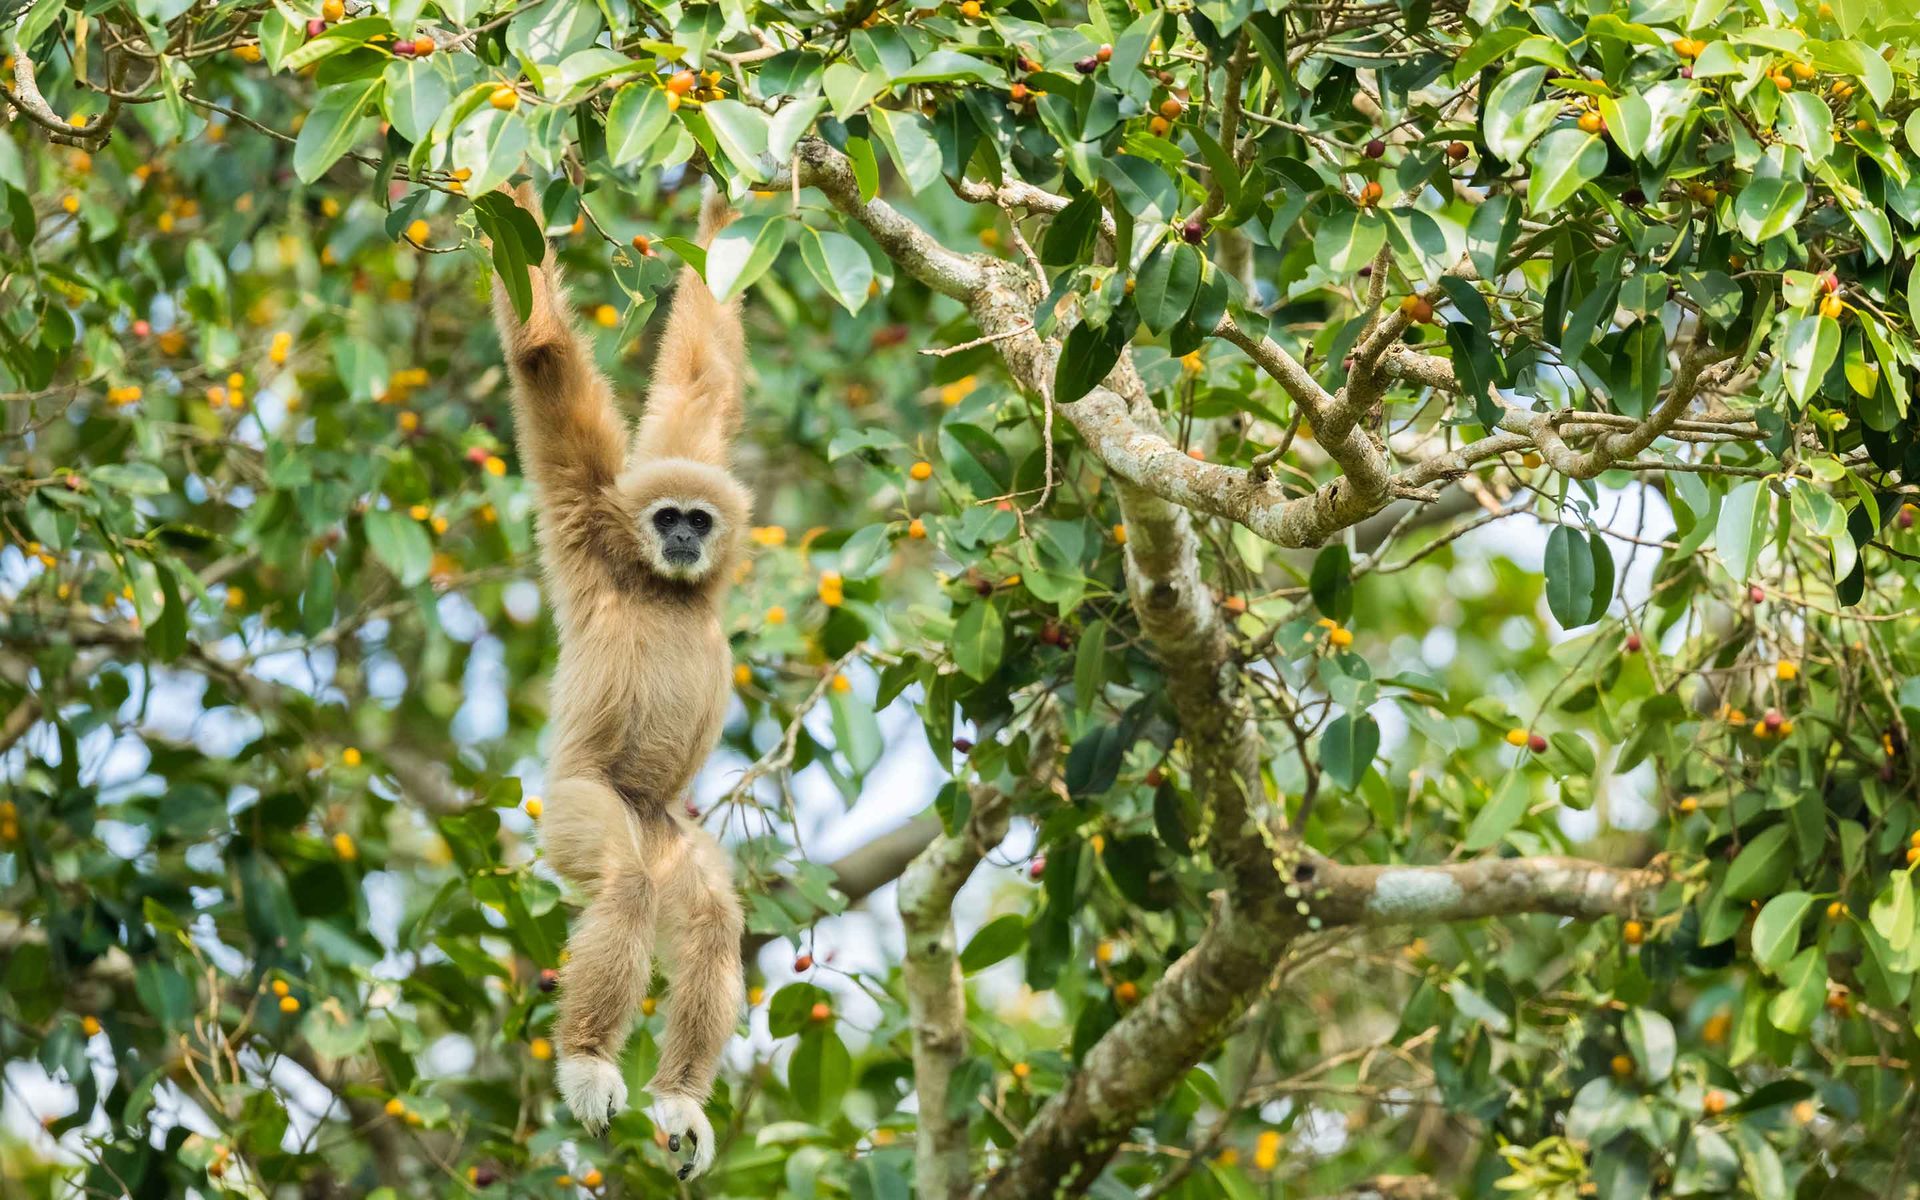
[(1087, 66), (963, 745), (141, 329), (1905, 519), (1633, 643), (549, 979), (1155, 776), (1831, 282), (982, 587), (1037, 867), (1686, 72), (485, 1176), (315, 27), (803, 963), (1756, 594), (1105, 53), (1376, 148), (821, 1012), (476, 455), (403, 49), (1537, 743), (1773, 719), (1193, 231)]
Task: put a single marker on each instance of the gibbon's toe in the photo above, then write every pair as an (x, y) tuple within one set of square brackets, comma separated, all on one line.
[(687, 1129), (592, 1088)]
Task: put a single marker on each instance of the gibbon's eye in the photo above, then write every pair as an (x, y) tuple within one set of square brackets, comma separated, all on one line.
[(666, 519), (700, 520)]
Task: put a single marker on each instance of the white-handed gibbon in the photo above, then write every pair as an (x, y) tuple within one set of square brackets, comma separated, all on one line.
[(638, 536)]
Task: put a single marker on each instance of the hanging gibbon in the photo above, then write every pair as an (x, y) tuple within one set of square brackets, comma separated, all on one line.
[(638, 533)]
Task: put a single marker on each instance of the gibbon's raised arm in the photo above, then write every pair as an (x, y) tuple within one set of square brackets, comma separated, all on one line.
[(572, 439), (693, 405)]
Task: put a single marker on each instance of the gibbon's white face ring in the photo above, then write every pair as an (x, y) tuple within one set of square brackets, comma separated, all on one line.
[(678, 534)]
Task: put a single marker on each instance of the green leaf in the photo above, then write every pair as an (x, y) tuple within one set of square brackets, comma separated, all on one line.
[(999, 938), (1812, 343), (333, 125), (1512, 120), (979, 641), (909, 139), (1087, 356), (1740, 530), (839, 263), (635, 121), (1498, 815), (1767, 207), (742, 134), (1331, 583), (1892, 914), (1347, 747), (1563, 163), (1165, 288), (742, 252), (490, 143), (1348, 240), (1570, 577), (1650, 1039), (1803, 990), (1761, 866), (1776, 931), (818, 1072), (400, 544), (417, 93)]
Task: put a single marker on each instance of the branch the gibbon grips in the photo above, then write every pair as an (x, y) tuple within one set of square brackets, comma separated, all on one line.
[(638, 531)]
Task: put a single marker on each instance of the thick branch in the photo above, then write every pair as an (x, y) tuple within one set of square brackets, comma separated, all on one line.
[(1490, 887)]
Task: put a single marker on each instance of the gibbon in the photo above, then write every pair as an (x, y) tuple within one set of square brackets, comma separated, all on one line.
[(638, 536)]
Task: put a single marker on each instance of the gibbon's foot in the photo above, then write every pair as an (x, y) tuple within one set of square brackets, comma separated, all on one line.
[(592, 1088), (687, 1128)]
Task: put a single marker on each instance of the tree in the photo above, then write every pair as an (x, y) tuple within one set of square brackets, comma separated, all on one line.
[(1404, 508)]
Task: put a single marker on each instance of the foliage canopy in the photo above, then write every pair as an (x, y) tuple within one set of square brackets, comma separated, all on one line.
[(1133, 387)]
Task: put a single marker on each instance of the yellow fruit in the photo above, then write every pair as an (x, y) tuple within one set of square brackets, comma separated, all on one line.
[(334, 10), (496, 465), (344, 847), (249, 53), (350, 756), (1158, 127), (1785, 671), (289, 1004), (396, 1107), (1804, 70), (755, 995), (970, 9), (1021, 1070), (418, 512), (418, 232), (921, 471), (1516, 737), (1783, 81), (534, 807), (1831, 307), (1266, 1150), (1836, 910), (1633, 933), (1716, 1028), (280, 987), (1689, 804), (540, 1048), (648, 1006), (90, 1025), (71, 203), (606, 316), (777, 615), (1590, 122), (593, 1178), (916, 529), (409, 421), (1715, 1103), (742, 675), (504, 98), (1341, 637)]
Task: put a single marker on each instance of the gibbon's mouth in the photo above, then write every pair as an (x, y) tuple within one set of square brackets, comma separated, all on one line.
[(680, 556)]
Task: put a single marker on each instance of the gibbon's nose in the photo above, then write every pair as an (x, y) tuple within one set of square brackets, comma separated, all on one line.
[(681, 544)]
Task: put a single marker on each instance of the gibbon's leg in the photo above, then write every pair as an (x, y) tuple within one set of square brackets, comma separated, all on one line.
[(693, 403), (703, 1004), (572, 440), (609, 951)]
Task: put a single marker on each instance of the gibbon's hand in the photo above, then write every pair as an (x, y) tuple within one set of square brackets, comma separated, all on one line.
[(687, 1129), (592, 1089)]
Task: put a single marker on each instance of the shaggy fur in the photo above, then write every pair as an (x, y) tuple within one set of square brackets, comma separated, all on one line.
[(642, 685)]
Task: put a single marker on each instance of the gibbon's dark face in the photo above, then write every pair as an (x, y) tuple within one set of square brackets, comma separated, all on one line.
[(679, 533)]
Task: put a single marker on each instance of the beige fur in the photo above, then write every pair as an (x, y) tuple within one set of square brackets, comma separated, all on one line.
[(642, 685)]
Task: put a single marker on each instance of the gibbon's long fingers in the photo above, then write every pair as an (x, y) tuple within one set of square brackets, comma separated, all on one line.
[(693, 405), (609, 960)]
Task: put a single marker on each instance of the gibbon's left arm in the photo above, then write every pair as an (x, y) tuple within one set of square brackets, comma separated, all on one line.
[(572, 440), (693, 406)]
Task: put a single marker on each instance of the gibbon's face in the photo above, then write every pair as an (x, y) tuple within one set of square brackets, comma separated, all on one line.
[(678, 532), (687, 517)]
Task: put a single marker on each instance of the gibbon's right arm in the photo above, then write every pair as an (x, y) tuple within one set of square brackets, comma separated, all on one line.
[(693, 405), (572, 440)]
